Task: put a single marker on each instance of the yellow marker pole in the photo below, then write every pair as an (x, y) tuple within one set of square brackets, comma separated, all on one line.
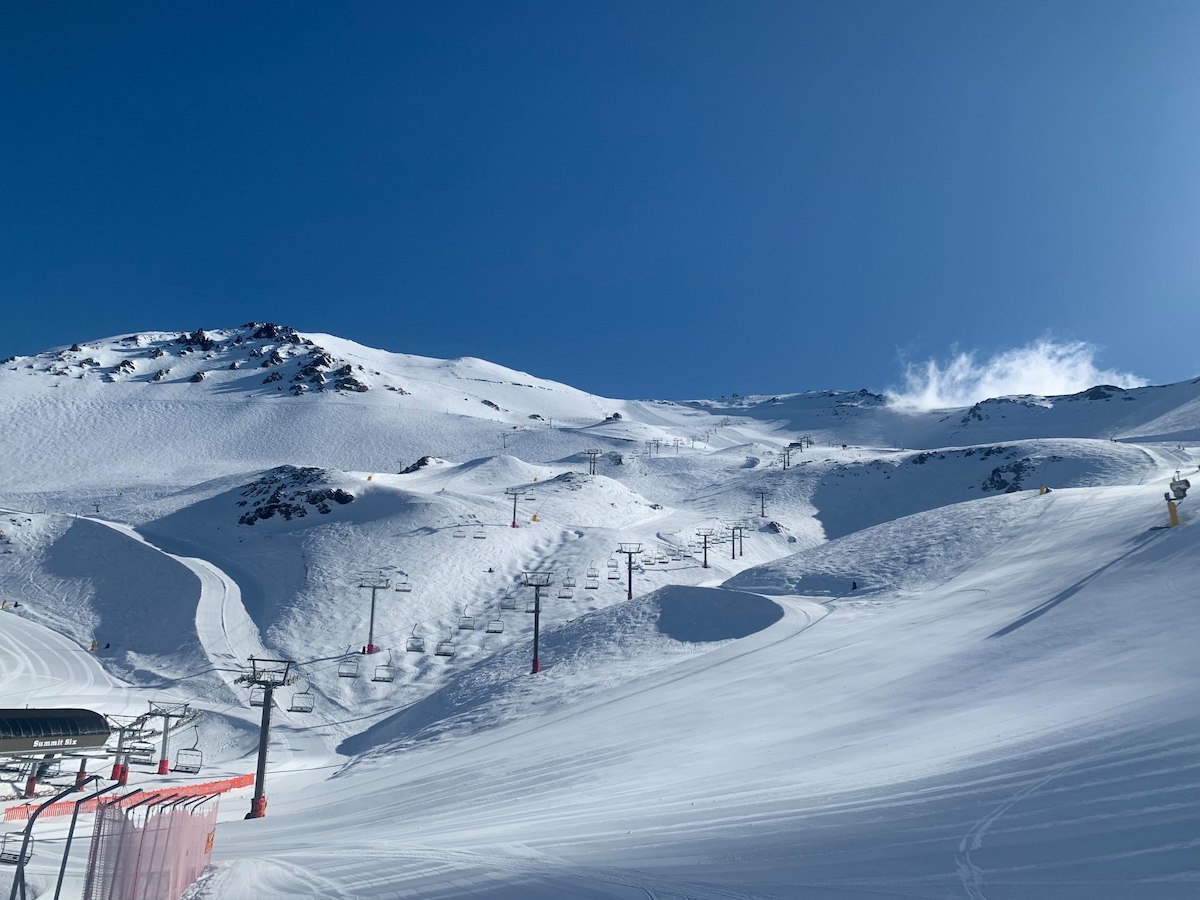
[(1173, 512)]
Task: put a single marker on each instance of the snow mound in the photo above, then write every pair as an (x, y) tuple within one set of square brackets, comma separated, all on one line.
[(584, 658), (908, 554), (853, 494)]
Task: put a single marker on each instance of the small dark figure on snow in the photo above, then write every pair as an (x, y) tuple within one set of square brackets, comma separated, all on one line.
[(854, 585)]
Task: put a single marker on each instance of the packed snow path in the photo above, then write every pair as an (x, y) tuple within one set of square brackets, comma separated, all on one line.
[(42, 667)]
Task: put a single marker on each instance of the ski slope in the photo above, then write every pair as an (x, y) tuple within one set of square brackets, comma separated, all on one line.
[(922, 678), (999, 732)]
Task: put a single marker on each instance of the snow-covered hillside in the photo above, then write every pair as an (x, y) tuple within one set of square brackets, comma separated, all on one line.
[(915, 674)]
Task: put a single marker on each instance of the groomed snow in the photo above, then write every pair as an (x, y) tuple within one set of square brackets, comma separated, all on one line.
[(923, 678)]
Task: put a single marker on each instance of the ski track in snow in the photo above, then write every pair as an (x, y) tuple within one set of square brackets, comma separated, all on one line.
[(40, 665), (971, 875)]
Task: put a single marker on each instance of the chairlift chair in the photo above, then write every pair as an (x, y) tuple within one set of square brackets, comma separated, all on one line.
[(403, 586), (593, 573), (495, 626), (466, 622), (565, 593), (302, 702), (531, 607), (508, 601), (10, 848), (614, 575), (569, 581), (593, 584), (415, 643), (460, 532), (480, 534), (1179, 486), (143, 751), (348, 668), (189, 760), (258, 696), (613, 564), (445, 648), (385, 672)]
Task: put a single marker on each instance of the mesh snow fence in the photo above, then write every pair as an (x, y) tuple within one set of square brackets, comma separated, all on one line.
[(151, 850)]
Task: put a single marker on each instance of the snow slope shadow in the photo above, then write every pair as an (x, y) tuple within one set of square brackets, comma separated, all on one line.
[(587, 656), (696, 614), (132, 585), (1063, 595)]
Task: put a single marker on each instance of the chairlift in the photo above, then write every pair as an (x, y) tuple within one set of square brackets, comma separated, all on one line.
[(403, 585), (613, 564), (189, 760), (480, 534), (529, 495), (508, 601), (1179, 486), (415, 643), (593, 572), (459, 532), (569, 581), (592, 584), (465, 622), (565, 593), (531, 607), (302, 702), (11, 846), (258, 697), (614, 575), (495, 626), (446, 647), (385, 673), (143, 751), (348, 668)]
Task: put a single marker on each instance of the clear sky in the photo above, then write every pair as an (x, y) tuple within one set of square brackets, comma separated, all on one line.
[(642, 198)]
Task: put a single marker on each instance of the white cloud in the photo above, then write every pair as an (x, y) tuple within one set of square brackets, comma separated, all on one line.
[(1042, 368)]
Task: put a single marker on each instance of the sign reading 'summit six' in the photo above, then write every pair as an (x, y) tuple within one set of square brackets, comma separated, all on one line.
[(29, 730)]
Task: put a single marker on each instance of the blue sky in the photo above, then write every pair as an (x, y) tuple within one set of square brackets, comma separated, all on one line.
[(641, 199)]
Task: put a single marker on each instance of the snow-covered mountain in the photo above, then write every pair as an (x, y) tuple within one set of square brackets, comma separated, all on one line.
[(915, 673)]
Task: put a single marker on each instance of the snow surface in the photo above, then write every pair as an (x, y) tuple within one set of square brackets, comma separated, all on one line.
[(923, 678)]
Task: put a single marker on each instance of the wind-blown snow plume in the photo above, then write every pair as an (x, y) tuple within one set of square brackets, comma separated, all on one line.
[(1043, 368)]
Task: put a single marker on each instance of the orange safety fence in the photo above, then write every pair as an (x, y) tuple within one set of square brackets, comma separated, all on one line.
[(66, 807)]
